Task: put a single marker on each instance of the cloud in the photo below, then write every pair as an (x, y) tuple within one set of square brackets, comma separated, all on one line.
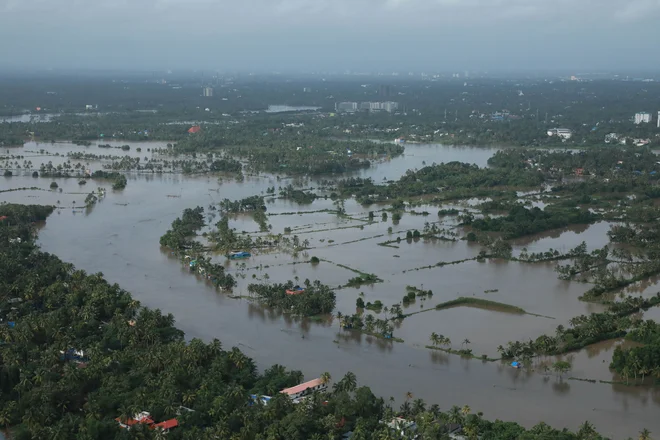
[(303, 32)]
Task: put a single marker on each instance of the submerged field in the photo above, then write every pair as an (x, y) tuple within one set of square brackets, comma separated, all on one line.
[(484, 301)]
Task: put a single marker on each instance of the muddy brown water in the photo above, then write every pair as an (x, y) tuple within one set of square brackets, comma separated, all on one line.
[(119, 237)]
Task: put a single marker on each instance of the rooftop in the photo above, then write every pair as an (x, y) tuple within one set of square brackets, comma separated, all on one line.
[(167, 424), (302, 387)]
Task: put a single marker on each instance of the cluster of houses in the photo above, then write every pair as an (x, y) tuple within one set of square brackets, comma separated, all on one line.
[(297, 394), (612, 138), (144, 418)]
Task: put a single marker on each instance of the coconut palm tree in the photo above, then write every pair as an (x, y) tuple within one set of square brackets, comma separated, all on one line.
[(325, 378), (435, 339), (644, 434)]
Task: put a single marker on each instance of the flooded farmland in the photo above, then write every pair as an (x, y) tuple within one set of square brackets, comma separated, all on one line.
[(119, 237)]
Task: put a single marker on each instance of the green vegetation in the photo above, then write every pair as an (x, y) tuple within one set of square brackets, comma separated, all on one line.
[(642, 361), (585, 330), (522, 221), (118, 179), (298, 196), (260, 217), (376, 306), (480, 304), (413, 292), (363, 278), (248, 204), (454, 178), (315, 299), (178, 238), (368, 324)]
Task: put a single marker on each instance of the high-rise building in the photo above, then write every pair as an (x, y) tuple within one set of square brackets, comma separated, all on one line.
[(385, 91), (389, 106), (642, 118), (207, 91), (658, 119), (347, 106)]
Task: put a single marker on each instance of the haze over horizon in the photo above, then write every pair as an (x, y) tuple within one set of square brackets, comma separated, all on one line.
[(330, 34)]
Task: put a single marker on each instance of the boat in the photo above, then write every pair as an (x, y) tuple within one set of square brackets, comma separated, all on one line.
[(238, 255), (516, 364)]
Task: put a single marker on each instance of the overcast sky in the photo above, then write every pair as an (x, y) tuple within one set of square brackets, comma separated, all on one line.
[(309, 35)]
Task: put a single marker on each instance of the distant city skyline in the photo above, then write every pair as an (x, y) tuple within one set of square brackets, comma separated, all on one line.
[(300, 35)]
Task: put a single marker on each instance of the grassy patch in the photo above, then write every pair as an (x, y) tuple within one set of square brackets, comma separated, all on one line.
[(379, 336), (463, 353), (481, 304)]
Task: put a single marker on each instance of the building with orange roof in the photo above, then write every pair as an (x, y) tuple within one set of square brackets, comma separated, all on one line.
[(305, 388), (143, 418)]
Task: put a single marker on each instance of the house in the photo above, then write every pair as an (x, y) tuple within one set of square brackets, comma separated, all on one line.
[(263, 399), (194, 129), (579, 171), (3, 217), (402, 426), (305, 388), (563, 133), (167, 425), (77, 356), (143, 418), (297, 290)]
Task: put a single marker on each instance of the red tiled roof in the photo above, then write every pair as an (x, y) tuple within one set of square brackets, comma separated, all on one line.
[(302, 387), (194, 129), (147, 420), (295, 292), (167, 424), (3, 217)]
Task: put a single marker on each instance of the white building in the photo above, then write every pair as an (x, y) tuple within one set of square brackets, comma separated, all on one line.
[(207, 92), (642, 118), (346, 106), (611, 137), (303, 389), (391, 106), (563, 133), (402, 426)]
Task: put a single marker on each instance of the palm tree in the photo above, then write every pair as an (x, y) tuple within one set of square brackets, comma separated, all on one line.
[(465, 410), (409, 395), (455, 416), (466, 342), (587, 431), (435, 339), (644, 434), (325, 378), (351, 381)]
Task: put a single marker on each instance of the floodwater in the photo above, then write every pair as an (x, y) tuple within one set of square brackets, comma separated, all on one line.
[(119, 237)]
